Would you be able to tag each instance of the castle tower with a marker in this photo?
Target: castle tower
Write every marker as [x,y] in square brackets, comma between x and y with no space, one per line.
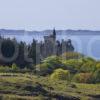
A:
[54,33]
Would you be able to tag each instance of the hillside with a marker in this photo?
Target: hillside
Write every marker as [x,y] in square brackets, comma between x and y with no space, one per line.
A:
[55,78]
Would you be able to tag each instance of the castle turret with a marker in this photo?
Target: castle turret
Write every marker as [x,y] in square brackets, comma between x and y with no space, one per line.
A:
[54,33]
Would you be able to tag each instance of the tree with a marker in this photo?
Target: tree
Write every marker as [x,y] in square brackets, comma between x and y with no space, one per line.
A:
[32,51]
[20,61]
[7,50]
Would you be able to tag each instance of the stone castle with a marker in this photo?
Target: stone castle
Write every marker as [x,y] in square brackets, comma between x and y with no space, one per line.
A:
[51,46]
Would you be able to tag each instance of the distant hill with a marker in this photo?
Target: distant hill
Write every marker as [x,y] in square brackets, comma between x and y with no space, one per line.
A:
[47,32]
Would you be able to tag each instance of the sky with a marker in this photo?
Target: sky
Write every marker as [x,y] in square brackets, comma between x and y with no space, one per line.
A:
[47,14]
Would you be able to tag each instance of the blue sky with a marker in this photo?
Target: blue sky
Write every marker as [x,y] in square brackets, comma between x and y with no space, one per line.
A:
[46,14]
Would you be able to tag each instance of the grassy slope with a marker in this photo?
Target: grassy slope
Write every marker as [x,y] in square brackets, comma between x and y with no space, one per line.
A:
[22,86]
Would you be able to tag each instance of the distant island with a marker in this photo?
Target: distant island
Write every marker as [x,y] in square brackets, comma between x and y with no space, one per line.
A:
[47,32]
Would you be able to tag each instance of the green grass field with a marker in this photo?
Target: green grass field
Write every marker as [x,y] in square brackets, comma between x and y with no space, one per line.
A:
[17,86]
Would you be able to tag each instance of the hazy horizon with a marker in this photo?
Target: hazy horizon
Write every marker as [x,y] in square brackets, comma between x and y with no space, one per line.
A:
[39,30]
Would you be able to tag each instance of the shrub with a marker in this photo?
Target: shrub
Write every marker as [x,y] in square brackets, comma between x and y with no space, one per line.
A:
[98,66]
[83,78]
[54,62]
[73,64]
[72,55]
[60,74]
[14,67]
[49,65]
[5,69]
[88,67]
[88,59]
[96,76]
[43,69]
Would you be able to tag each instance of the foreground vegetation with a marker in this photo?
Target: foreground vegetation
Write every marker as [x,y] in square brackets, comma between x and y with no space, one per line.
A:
[71,76]
[32,87]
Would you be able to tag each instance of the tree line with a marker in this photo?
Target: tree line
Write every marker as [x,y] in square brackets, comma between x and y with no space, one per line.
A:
[21,53]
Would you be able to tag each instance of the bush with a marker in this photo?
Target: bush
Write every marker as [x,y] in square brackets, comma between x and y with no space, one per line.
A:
[43,69]
[88,59]
[88,67]
[98,66]
[83,78]
[96,76]
[54,62]
[73,64]
[14,67]
[60,74]
[49,65]
[5,69]
[72,55]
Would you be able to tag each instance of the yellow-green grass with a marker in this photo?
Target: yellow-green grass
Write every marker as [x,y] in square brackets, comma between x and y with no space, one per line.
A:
[9,81]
